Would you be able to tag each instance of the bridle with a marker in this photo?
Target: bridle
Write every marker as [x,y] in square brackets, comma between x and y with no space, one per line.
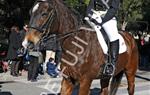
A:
[51,15]
[45,28]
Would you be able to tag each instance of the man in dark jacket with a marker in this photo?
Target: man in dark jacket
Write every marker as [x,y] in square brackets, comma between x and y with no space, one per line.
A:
[12,50]
[107,21]
[36,58]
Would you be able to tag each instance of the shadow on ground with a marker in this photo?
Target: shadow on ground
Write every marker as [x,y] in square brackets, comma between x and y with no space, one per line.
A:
[94,91]
[6,93]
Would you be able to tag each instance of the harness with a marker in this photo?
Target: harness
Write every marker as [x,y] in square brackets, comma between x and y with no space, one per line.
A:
[45,29]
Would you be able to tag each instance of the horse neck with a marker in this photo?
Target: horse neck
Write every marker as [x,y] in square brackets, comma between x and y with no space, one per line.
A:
[67,20]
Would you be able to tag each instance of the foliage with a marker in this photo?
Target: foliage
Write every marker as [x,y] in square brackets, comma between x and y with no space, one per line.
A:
[78,6]
[130,11]
[133,9]
[146,11]
[8,10]
[73,3]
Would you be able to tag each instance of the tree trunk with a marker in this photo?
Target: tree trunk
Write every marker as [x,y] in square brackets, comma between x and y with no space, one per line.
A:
[124,24]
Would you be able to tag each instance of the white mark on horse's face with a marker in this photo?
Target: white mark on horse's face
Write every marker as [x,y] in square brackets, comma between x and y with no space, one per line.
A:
[35,7]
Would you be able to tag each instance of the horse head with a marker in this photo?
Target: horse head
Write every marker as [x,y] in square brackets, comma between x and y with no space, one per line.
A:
[47,17]
[42,16]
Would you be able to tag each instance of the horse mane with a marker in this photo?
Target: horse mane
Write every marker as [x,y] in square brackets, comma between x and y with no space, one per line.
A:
[67,19]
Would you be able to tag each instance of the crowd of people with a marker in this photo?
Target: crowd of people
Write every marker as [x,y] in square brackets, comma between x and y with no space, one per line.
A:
[29,62]
[143,42]
[32,62]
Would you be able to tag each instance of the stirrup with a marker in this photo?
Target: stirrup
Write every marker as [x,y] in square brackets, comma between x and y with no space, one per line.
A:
[109,69]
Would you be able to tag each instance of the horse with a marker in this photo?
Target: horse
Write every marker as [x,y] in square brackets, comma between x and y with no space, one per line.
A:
[82,56]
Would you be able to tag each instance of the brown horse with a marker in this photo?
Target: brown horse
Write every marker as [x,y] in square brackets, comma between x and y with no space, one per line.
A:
[82,58]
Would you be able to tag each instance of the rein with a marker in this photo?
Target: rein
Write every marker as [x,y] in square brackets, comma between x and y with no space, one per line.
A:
[59,37]
[62,36]
[45,28]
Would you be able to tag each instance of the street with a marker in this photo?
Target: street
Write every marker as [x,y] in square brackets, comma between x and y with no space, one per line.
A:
[51,86]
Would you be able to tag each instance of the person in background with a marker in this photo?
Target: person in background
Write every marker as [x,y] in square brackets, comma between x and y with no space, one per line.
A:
[22,33]
[12,50]
[35,59]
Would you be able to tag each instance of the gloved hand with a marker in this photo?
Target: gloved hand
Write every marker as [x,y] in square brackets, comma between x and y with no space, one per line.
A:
[96,17]
[86,18]
[89,22]
[94,20]
[92,24]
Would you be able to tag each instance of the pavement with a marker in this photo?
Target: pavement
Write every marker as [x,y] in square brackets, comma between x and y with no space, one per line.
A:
[51,86]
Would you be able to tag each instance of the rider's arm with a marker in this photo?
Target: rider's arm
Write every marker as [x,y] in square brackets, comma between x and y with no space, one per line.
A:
[90,6]
[111,11]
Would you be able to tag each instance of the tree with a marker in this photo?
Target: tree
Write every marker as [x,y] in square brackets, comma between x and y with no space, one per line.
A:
[78,6]
[130,11]
[9,11]
[146,11]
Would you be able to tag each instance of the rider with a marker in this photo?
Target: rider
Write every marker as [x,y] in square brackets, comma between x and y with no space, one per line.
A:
[109,24]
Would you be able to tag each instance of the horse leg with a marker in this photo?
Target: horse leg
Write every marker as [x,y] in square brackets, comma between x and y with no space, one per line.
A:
[115,82]
[85,87]
[131,81]
[130,73]
[66,87]
[104,85]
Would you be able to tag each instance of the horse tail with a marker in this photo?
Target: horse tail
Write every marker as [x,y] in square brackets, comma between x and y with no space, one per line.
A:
[115,82]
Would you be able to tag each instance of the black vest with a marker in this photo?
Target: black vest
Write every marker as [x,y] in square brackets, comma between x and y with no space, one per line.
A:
[102,5]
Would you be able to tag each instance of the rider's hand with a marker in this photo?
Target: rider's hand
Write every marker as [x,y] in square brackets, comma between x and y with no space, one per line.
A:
[96,17]
[86,18]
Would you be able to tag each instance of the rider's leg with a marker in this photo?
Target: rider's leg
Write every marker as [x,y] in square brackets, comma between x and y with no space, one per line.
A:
[110,28]
[114,46]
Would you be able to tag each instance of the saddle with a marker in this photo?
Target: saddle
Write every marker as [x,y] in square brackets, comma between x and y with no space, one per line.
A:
[105,43]
[102,36]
